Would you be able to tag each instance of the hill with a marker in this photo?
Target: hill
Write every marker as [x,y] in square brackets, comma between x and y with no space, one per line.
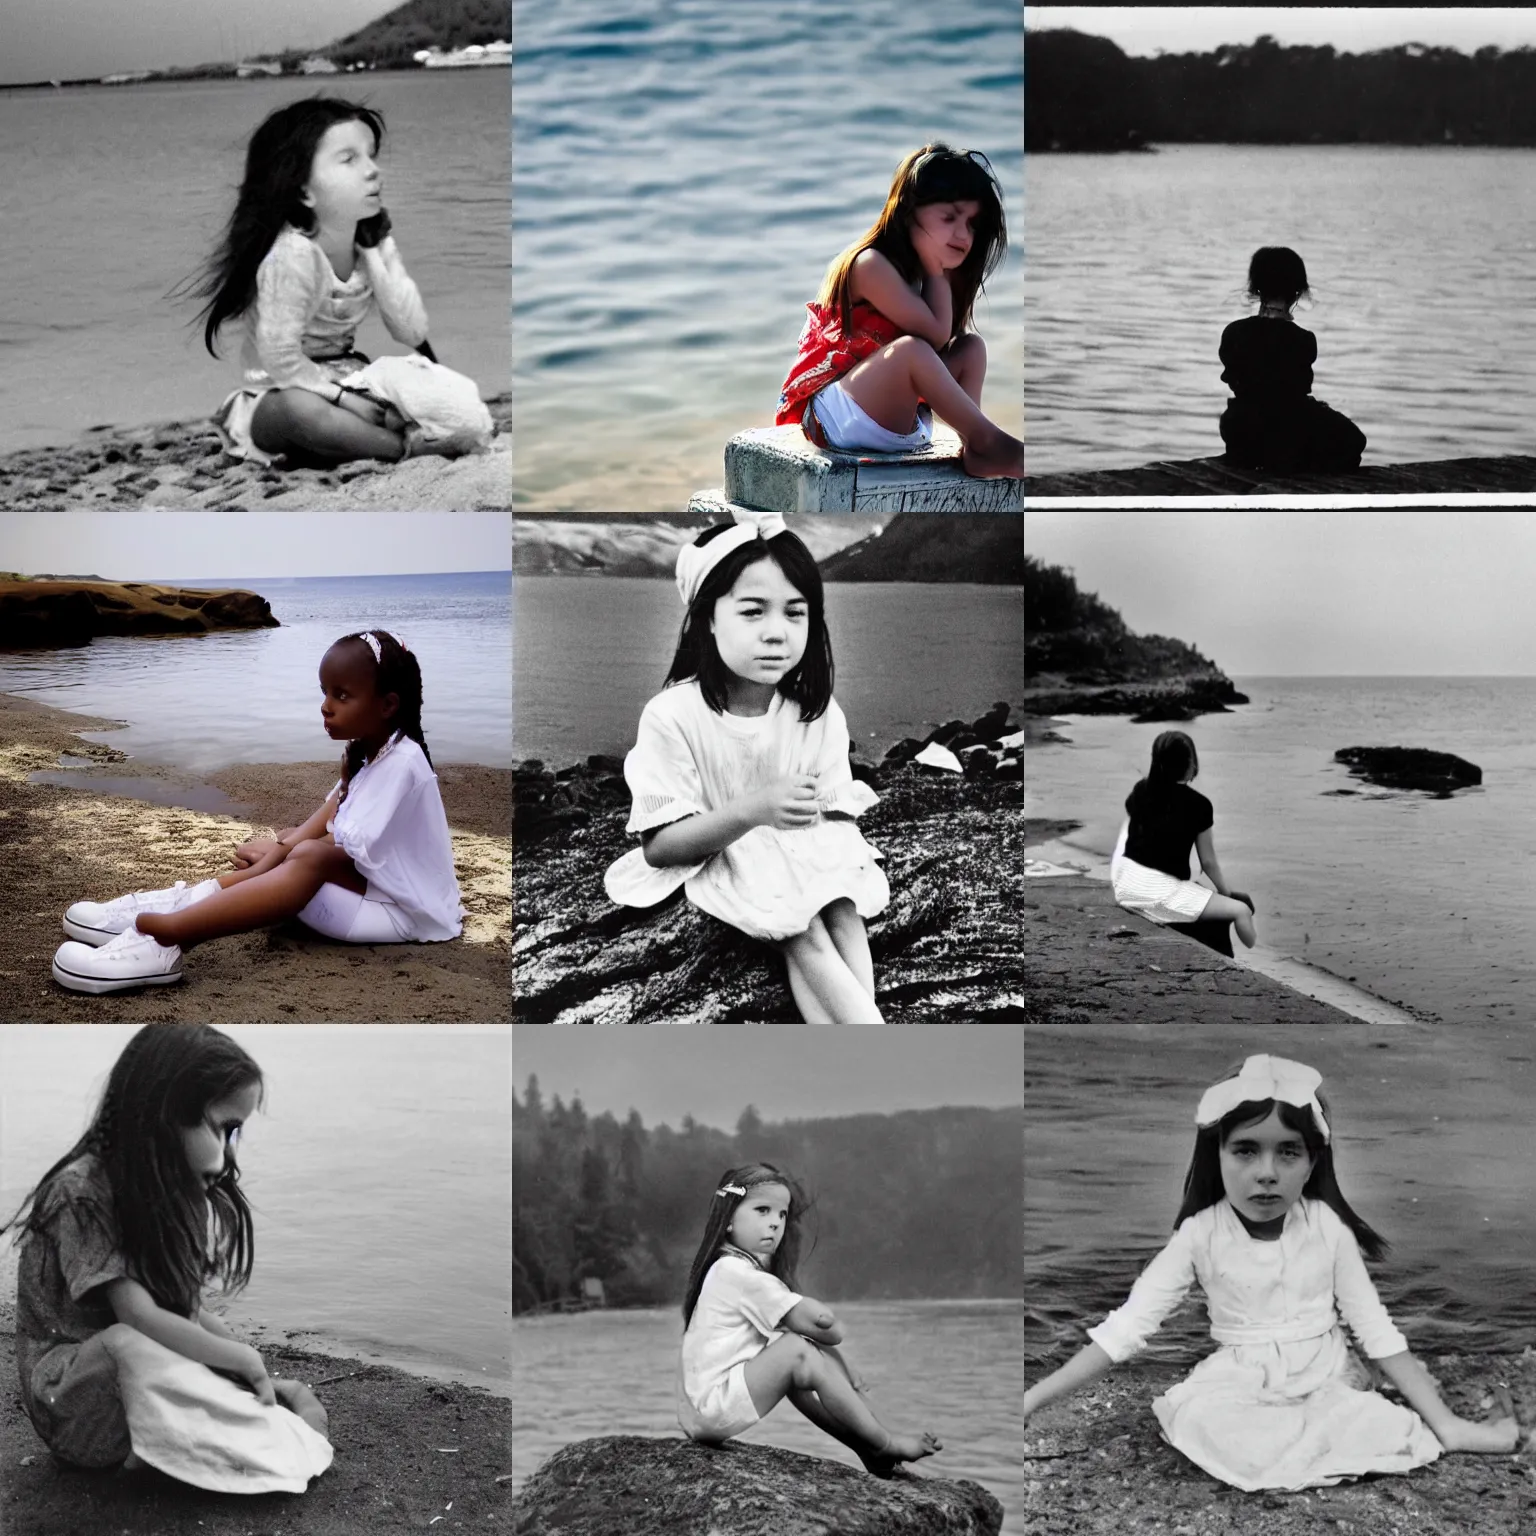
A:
[392,40]
[935,546]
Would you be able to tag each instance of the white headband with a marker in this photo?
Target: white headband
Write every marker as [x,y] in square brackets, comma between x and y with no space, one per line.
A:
[1264,1077]
[370,638]
[696,561]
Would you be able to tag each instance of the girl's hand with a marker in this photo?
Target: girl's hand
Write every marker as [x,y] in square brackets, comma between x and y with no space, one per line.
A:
[930,250]
[1492,1437]
[371,232]
[253,852]
[252,1369]
[787,803]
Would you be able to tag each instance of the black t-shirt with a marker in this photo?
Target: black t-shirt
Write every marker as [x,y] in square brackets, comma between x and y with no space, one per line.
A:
[1165,821]
[1268,360]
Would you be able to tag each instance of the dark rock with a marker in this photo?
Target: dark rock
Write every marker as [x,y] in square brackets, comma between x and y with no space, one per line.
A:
[69,613]
[1164,709]
[904,750]
[935,546]
[994,723]
[600,762]
[654,1487]
[1437,773]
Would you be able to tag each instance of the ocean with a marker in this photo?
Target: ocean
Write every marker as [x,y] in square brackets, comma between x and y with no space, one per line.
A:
[205,702]
[1430,349]
[591,651]
[113,194]
[682,176]
[379,1173]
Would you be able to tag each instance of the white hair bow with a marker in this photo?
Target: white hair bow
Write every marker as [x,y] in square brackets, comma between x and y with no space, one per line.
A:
[696,561]
[1264,1077]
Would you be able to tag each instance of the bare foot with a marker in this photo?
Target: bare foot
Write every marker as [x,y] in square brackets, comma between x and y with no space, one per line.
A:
[1495,1437]
[994,457]
[297,1398]
[912,1447]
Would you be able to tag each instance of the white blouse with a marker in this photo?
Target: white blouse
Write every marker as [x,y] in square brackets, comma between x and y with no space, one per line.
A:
[737,1314]
[393,827]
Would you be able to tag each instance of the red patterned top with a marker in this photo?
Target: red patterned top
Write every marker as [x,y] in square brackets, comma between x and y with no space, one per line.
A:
[827,352]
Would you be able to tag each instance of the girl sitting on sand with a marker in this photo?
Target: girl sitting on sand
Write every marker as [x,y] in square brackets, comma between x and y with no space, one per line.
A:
[890,328]
[1272,421]
[1267,1233]
[1150,866]
[742,790]
[306,257]
[751,1341]
[119,1361]
[374,865]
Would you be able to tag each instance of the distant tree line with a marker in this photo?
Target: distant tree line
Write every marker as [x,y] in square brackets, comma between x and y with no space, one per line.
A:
[924,1203]
[1084,93]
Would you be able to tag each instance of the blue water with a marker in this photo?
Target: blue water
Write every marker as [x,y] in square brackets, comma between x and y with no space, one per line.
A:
[111,195]
[682,176]
[252,696]
[379,1173]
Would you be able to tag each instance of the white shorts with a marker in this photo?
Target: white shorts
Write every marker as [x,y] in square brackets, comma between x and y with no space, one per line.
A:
[353,918]
[1159,897]
[725,1410]
[851,428]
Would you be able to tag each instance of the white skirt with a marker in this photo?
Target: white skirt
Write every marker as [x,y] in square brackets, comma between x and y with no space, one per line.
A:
[1154,895]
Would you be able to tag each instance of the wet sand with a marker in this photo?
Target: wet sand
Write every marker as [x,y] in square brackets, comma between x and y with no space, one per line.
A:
[67,844]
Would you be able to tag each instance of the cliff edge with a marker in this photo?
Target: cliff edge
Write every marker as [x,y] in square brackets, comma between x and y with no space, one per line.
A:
[70,613]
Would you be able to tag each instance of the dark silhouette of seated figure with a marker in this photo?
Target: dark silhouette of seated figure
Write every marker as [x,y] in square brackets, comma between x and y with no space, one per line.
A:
[1272,422]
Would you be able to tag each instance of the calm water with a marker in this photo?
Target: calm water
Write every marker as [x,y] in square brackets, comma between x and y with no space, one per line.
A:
[1424,902]
[251,696]
[955,1367]
[591,651]
[683,176]
[112,195]
[379,1173]
[1423,289]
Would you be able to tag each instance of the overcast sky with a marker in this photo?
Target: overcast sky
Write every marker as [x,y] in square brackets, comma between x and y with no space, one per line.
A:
[80,39]
[193,546]
[788,1073]
[1146,30]
[1276,594]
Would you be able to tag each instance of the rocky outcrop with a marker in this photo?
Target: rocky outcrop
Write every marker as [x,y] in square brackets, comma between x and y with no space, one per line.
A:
[71,613]
[656,1487]
[1439,774]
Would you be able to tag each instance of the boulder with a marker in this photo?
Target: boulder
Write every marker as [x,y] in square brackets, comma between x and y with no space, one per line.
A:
[48,613]
[658,1487]
[1439,774]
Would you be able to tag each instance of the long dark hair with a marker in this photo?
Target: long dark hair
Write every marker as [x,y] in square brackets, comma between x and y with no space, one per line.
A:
[1277,272]
[933,174]
[809,683]
[398,672]
[786,1257]
[1173,757]
[1202,1181]
[176,1232]
[277,167]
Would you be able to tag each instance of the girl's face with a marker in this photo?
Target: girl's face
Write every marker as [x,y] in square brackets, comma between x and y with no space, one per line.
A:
[757,1227]
[209,1141]
[350,709]
[1264,1166]
[761,625]
[952,226]
[344,185]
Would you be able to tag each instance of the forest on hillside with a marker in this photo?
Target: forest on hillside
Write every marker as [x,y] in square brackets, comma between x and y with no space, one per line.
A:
[918,1204]
[392,40]
[1084,93]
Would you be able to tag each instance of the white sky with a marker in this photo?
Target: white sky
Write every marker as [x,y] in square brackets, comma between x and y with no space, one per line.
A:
[192,546]
[77,39]
[789,1073]
[1361,593]
[1147,30]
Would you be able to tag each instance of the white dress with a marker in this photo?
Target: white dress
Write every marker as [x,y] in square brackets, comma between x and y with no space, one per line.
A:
[768,883]
[1280,1404]
[393,827]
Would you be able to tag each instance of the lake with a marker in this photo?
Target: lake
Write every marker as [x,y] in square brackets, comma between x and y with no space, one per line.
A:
[1423,290]
[683,175]
[114,194]
[379,1174]
[203,702]
[954,1367]
[591,650]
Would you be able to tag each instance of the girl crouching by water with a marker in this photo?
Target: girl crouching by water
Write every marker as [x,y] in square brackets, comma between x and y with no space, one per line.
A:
[373,865]
[751,1340]
[1266,1233]
[119,1361]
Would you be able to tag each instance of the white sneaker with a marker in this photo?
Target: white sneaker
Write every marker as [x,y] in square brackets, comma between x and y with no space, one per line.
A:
[94,922]
[128,959]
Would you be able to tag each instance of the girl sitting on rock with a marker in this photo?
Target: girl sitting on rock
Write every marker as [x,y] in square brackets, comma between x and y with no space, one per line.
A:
[750,1340]
[1268,1236]
[120,1363]
[1150,866]
[373,865]
[742,791]
[890,329]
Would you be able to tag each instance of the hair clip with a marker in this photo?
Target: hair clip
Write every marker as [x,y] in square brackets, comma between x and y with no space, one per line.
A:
[730,1189]
[371,640]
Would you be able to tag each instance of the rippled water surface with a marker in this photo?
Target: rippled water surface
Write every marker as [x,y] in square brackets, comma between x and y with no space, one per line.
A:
[1423,285]
[954,1367]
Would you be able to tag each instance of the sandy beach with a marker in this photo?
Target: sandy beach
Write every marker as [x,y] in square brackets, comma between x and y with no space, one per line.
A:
[67,844]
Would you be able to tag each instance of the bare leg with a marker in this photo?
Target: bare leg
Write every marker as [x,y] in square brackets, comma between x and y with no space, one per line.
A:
[827,977]
[846,929]
[806,1000]
[966,359]
[889,383]
[1224,909]
[288,419]
[296,1397]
